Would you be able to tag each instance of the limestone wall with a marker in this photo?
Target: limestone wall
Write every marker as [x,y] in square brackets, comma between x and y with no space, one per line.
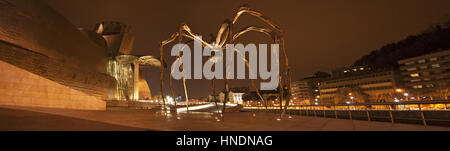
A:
[65,73]
[46,61]
[19,87]
[37,39]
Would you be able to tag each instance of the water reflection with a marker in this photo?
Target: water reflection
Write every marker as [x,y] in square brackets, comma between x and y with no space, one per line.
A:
[204,112]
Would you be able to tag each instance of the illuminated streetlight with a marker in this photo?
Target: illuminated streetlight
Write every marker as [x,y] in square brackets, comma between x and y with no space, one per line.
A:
[406,95]
[351,98]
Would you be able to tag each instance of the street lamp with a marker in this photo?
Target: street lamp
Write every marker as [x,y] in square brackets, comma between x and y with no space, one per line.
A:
[407,96]
[351,98]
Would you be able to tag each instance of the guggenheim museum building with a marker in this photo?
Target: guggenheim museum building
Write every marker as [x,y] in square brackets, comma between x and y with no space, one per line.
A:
[45,61]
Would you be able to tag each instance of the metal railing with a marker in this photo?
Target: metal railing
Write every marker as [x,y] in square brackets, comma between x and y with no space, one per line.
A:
[424,113]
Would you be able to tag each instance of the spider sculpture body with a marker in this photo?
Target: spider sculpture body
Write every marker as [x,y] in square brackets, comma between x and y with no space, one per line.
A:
[225,35]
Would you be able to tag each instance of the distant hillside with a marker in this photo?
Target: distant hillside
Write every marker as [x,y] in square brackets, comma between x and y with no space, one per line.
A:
[435,39]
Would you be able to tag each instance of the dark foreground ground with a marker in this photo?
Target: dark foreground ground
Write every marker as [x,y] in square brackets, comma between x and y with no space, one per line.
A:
[24,118]
[12,119]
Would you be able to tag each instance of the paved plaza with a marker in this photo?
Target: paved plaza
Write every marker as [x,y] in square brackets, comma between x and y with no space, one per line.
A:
[26,118]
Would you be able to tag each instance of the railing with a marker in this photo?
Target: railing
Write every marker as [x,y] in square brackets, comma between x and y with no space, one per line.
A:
[154,102]
[425,113]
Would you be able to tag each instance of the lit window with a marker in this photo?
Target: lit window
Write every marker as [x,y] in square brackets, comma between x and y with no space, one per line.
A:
[409,63]
[414,75]
[417,86]
[415,80]
[412,69]
[435,66]
[361,68]
[355,69]
[430,85]
[423,67]
[433,59]
[421,61]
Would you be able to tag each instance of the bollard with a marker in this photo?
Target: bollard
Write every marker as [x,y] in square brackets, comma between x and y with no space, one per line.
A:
[335,112]
[368,115]
[423,116]
[390,113]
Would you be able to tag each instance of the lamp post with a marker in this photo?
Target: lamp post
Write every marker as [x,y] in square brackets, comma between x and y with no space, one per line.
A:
[406,95]
[351,98]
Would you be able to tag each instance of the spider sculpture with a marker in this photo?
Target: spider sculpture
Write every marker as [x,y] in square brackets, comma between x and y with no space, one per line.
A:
[226,36]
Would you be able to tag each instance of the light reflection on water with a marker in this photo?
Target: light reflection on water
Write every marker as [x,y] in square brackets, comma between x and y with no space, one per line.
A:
[194,114]
[205,111]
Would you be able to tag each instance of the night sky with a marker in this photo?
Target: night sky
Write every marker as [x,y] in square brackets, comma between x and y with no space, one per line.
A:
[320,34]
